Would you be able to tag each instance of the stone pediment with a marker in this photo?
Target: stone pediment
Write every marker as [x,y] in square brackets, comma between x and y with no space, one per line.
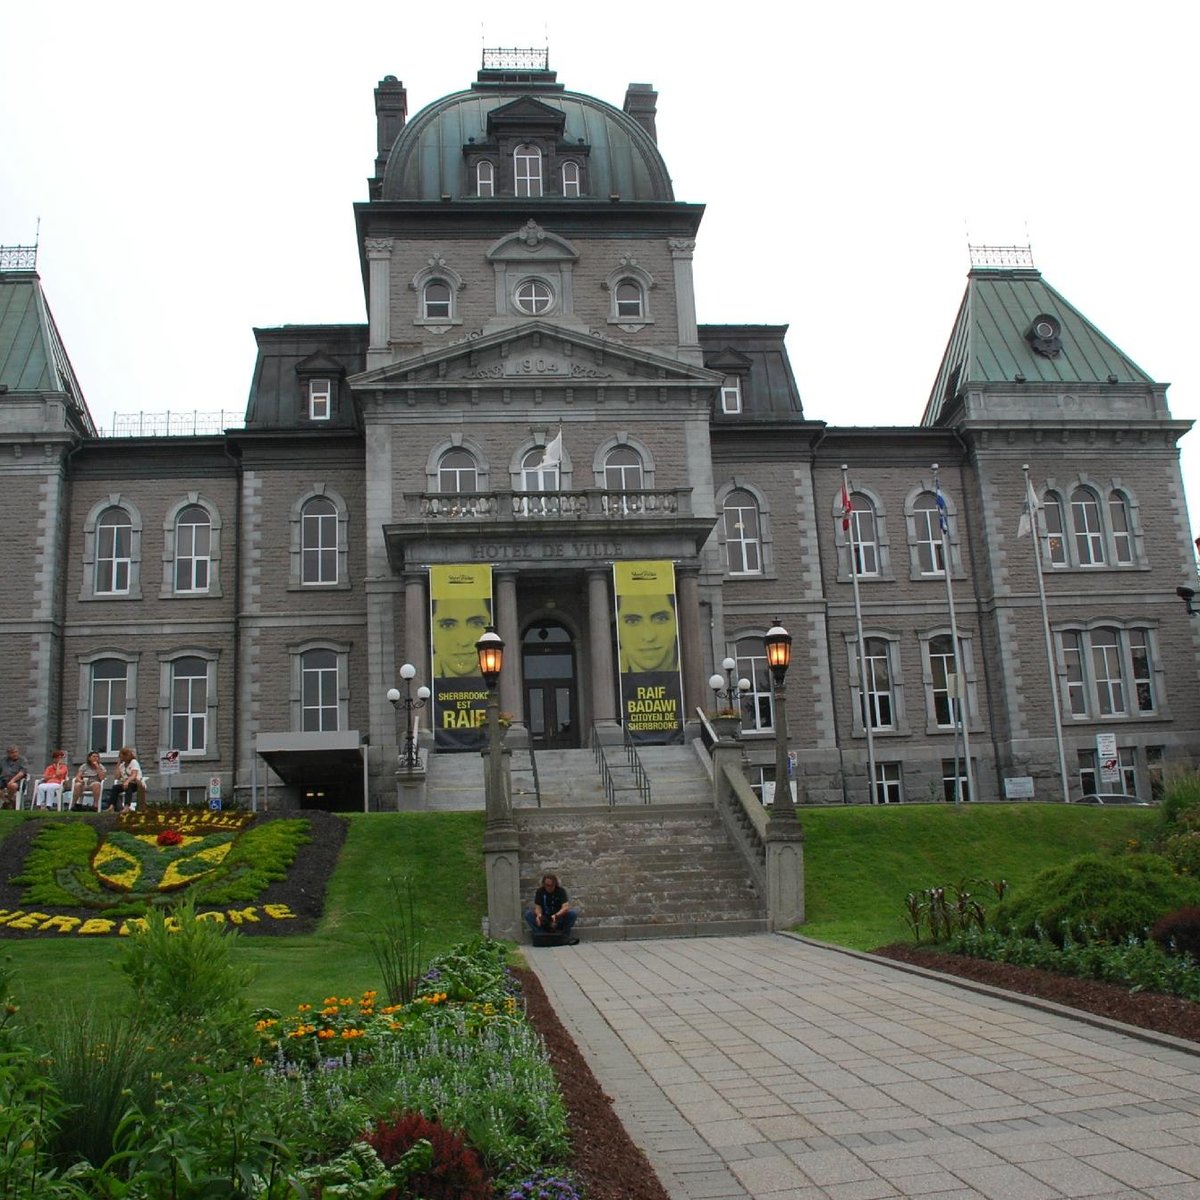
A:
[536,355]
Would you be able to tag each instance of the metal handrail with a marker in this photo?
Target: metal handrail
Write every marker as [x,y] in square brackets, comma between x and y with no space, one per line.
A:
[602,765]
[639,772]
[537,785]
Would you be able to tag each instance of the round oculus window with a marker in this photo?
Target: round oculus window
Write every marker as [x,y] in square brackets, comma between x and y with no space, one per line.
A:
[533,297]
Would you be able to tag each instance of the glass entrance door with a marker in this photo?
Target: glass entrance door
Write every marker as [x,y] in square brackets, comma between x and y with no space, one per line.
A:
[548,662]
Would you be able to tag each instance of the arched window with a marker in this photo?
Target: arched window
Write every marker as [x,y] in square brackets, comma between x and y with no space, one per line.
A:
[928,534]
[570,179]
[623,470]
[743,544]
[1056,542]
[189,705]
[631,304]
[437,300]
[193,537]
[1110,672]
[1089,534]
[108,705]
[758,711]
[941,668]
[458,472]
[1118,515]
[485,178]
[319,542]
[877,694]
[527,171]
[319,691]
[536,475]
[114,546]
[533,297]
[863,536]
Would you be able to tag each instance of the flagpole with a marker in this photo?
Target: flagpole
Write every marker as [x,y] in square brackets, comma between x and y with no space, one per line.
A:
[1035,537]
[964,711]
[862,650]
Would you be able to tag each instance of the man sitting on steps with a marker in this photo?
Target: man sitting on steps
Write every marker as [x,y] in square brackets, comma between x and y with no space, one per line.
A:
[551,916]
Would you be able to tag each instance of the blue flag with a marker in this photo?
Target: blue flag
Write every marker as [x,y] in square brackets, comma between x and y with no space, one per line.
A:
[941,505]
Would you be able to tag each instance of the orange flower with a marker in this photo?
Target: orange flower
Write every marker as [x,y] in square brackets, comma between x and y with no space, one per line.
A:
[347,1034]
[326,1034]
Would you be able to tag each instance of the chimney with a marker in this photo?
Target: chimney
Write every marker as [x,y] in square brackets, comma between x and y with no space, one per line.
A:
[641,103]
[391,108]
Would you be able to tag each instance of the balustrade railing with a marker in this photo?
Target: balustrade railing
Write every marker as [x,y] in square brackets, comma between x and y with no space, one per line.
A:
[590,502]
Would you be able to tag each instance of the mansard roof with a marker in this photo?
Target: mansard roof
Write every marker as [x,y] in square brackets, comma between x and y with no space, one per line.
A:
[33,359]
[288,355]
[426,160]
[756,354]
[994,341]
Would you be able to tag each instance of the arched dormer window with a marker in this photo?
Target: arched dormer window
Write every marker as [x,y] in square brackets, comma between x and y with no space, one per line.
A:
[436,300]
[485,178]
[527,170]
[570,179]
[629,286]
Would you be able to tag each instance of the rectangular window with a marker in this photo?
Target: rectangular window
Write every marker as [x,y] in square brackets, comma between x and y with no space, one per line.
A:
[1122,540]
[1089,777]
[319,692]
[731,395]
[1143,684]
[109,702]
[888,783]
[1106,665]
[193,540]
[866,545]
[878,693]
[189,705]
[114,542]
[757,710]
[954,780]
[1156,770]
[1127,761]
[1072,651]
[941,673]
[1056,543]
[320,399]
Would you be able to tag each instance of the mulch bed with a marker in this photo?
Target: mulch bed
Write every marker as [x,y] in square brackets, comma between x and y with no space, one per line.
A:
[604,1156]
[303,890]
[1147,1010]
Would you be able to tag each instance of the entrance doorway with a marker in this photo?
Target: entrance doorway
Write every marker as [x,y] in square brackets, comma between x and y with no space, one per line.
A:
[548,664]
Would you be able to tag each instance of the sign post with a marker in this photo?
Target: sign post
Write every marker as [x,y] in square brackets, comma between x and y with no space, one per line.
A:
[168,765]
[214,793]
[1106,752]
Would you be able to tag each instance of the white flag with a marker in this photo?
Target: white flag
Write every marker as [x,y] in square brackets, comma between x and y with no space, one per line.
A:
[552,455]
[1032,505]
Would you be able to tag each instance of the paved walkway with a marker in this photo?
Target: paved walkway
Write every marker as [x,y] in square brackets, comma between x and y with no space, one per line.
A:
[771,1067]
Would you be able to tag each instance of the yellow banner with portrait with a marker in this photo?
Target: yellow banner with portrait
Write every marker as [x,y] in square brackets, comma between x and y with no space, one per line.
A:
[648,648]
[460,609]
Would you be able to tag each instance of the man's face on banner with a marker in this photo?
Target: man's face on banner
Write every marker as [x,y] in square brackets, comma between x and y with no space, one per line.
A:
[647,633]
[457,625]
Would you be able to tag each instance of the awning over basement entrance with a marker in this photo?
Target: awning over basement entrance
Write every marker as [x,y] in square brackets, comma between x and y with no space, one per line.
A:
[334,763]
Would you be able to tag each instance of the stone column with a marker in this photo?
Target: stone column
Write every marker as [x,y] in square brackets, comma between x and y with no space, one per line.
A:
[379,305]
[695,693]
[508,626]
[682,250]
[416,625]
[600,608]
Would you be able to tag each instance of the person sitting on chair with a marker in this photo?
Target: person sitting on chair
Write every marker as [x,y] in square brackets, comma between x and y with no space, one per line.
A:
[48,792]
[124,792]
[551,912]
[89,778]
[13,772]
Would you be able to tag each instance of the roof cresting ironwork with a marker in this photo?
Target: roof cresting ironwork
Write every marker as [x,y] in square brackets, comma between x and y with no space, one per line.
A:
[1001,256]
[18,258]
[514,59]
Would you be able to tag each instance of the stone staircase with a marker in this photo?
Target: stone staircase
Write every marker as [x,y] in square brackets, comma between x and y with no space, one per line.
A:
[644,871]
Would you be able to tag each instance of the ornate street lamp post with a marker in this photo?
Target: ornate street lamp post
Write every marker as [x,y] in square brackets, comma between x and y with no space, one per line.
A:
[729,695]
[490,649]
[779,656]
[410,758]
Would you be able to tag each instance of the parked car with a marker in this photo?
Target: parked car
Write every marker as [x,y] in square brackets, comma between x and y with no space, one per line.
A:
[1112,798]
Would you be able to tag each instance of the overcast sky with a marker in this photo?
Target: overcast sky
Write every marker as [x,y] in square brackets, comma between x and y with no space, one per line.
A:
[194,170]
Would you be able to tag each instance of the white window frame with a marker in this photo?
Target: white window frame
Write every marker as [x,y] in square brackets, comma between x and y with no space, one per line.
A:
[1091,526]
[1110,681]
[864,527]
[731,395]
[341,656]
[115,719]
[948,779]
[451,478]
[1087,527]
[758,704]
[192,562]
[942,662]
[876,651]
[297,581]
[743,550]
[630,308]
[533,297]
[114,560]
[927,536]
[200,709]
[320,399]
[628,476]
[889,783]
[571,179]
[319,542]
[485,178]
[94,542]
[527,171]
[896,691]
[1121,526]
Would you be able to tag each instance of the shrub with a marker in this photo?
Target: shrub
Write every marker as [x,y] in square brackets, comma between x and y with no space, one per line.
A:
[1179,932]
[1182,851]
[455,1172]
[397,945]
[1181,801]
[1109,898]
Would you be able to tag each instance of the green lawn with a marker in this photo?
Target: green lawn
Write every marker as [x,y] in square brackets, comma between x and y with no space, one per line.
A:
[860,864]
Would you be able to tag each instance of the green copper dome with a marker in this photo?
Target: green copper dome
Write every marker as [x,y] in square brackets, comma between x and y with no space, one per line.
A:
[429,159]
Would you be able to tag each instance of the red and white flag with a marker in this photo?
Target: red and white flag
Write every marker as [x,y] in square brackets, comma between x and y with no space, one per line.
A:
[847,508]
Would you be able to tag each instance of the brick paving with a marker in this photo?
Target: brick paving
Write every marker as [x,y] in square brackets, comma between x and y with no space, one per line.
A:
[767,1066]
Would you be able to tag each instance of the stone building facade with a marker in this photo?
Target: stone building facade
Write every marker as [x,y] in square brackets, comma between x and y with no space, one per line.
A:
[248,597]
